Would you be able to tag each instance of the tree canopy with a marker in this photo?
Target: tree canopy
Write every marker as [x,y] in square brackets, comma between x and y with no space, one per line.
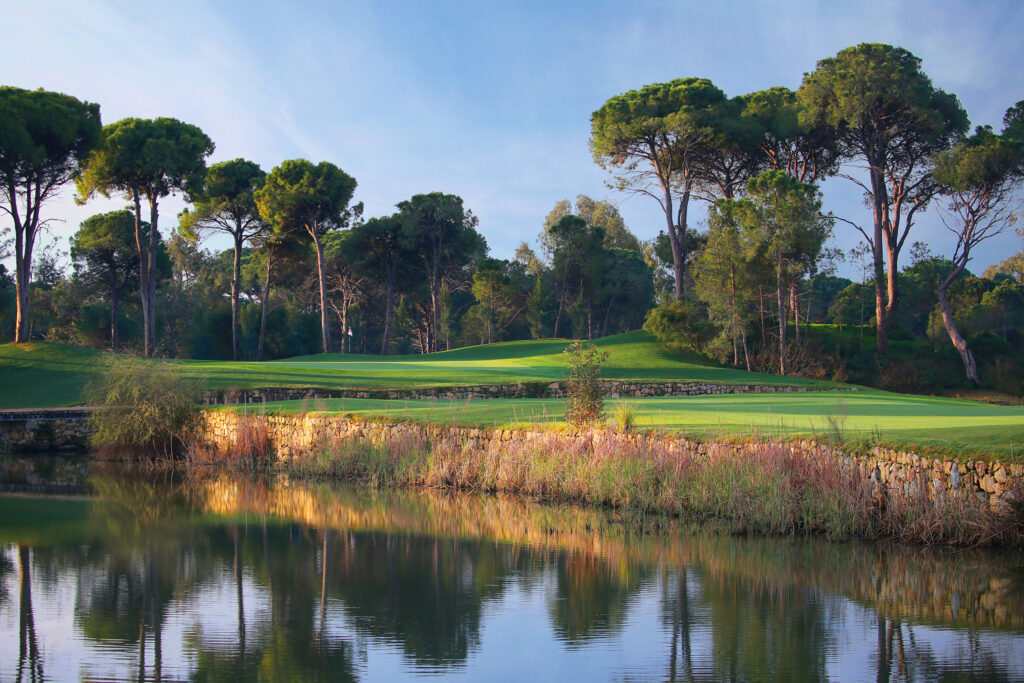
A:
[227,203]
[146,159]
[655,141]
[103,251]
[300,196]
[886,113]
[44,137]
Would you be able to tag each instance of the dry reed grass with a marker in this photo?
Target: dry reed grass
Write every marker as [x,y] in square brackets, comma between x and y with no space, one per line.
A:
[251,449]
[762,487]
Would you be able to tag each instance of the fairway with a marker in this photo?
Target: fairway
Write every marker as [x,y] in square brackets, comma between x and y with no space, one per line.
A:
[939,424]
[41,375]
[44,375]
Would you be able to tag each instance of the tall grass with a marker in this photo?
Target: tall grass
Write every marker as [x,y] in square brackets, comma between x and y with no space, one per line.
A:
[251,448]
[759,487]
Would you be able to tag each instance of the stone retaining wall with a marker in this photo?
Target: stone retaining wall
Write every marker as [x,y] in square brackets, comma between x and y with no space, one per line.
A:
[894,472]
[611,388]
[39,431]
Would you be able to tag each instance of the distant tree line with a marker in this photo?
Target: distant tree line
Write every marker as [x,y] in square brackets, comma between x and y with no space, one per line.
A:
[307,272]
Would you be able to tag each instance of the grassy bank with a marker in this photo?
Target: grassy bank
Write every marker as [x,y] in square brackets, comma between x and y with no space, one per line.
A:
[924,424]
[754,487]
[39,374]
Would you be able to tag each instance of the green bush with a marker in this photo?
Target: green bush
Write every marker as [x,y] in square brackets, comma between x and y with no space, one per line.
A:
[584,399]
[146,407]
[678,326]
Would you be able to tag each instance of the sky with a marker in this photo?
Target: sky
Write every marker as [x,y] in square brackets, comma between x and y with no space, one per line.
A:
[488,100]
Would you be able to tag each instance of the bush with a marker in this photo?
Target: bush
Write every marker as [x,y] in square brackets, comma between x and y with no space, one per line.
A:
[679,327]
[147,407]
[584,399]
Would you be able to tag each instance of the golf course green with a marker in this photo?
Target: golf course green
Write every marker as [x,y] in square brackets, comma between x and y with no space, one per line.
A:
[39,375]
[945,425]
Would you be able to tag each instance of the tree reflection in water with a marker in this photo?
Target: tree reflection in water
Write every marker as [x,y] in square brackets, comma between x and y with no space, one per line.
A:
[252,580]
[28,645]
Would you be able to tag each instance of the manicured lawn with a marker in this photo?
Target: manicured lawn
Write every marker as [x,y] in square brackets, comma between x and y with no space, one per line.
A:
[930,424]
[41,374]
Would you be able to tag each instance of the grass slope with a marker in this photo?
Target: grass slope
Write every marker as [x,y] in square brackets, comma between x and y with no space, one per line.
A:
[41,374]
[928,424]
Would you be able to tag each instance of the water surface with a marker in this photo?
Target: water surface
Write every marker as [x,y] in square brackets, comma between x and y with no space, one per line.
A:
[218,577]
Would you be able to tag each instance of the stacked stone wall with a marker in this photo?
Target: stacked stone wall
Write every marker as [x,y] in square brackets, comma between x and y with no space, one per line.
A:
[893,472]
[44,432]
[611,388]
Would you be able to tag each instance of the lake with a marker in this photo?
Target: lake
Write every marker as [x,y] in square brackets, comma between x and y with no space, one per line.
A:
[107,574]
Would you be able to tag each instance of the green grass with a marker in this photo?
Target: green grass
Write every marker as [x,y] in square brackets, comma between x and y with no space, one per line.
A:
[928,424]
[41,374]
[44,375]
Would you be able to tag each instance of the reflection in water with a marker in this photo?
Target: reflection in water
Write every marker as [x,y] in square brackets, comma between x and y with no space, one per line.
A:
[231,579]
[28,646]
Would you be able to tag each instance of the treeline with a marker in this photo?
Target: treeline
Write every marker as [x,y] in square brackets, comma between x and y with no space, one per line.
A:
[869,115]
[416,281]
[307,272]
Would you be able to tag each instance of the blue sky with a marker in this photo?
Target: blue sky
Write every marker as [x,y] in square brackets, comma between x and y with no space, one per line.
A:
[487,100]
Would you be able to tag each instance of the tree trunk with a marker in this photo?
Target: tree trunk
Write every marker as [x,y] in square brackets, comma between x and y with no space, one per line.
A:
[115,338]
[343,316]
[673,239]
[782,320]
[793,304]
[678,241]
[263,307]
[880,210]
[760,311]
[892,292]
[389,305]
[236,278]
[154,240]
[22,278]
[970,367]
[607,314]
[746,351]
[144,252]
[322,271]
[735,316]
[24,241]
[561,307]
[435,297]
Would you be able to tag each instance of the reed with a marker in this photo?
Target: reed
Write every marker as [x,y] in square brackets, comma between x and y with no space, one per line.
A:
[756,487]
[250,450]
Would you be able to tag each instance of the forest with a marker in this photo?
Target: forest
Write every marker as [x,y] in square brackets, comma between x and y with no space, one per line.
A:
[753,286]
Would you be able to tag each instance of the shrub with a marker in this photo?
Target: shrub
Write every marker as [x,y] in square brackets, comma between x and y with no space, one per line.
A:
[584,399]
[679,327]
[146,407]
